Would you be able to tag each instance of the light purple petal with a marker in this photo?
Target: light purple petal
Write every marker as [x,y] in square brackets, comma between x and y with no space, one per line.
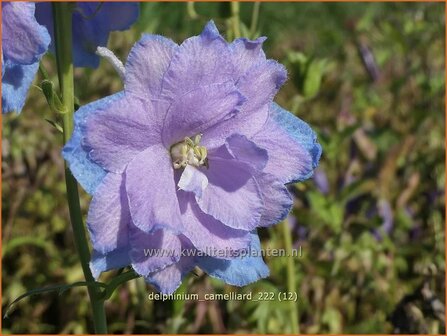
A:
[208,234]
[118,132]
[113,260]
[199,109]
[277,199]
[24,41]
[240,271]
[87,173]
[108,216]
[151,252]
[170,278]
[259,85]
[151,191]
[299,130]
[146,65]
[193,180]
[245,150]
[199,61]
[232,195]
[291,146]
[241,123]
[245,53]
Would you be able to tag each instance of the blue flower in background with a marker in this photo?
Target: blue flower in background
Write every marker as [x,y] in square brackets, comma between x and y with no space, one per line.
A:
[24,41]
[193,155]
[26,32]
[92,24]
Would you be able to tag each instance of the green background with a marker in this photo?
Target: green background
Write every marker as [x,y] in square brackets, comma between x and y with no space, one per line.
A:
[370,224]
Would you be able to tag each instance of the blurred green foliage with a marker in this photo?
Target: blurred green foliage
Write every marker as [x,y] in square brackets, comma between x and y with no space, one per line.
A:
[369,78]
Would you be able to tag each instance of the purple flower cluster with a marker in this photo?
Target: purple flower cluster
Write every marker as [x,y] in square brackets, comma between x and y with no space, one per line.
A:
[27,33]
[192,155]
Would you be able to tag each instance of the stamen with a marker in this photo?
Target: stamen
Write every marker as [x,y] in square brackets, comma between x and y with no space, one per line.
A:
[188,152]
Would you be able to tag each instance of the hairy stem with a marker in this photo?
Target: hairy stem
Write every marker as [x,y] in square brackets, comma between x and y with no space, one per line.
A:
[62,15]
[291,279]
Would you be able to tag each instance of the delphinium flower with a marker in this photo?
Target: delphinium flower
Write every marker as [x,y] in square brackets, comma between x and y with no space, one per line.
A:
[27,34]
[24,41]
[92,24]
[191,158]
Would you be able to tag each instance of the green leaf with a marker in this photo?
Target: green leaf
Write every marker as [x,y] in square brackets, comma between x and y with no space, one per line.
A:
[56,288]
[55,125]
[297,58]
[314,74]
[53,99]
[332,318]
[327,209]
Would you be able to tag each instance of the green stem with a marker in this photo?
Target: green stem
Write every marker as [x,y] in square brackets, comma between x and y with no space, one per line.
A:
[118,280]
[235,19]
[62,15]
[291,280]
[43,71]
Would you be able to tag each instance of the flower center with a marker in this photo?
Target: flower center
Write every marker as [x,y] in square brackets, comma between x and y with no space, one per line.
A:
[188,152]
